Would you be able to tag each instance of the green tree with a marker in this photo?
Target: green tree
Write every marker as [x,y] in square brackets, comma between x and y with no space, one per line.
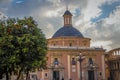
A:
[22,46]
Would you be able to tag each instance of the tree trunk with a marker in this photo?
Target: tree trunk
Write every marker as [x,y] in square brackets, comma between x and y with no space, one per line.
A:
[19,74]
[27,76]
[7,75]
[6,72]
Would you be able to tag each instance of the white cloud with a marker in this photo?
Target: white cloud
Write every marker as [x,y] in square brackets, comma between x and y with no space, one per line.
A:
[3,16]
[55,2]
[53,13]
[103,44]
[107,31]
[92,10]
[49,30]
[114,17]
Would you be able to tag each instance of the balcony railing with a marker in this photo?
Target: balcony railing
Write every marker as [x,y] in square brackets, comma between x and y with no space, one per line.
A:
[74,48]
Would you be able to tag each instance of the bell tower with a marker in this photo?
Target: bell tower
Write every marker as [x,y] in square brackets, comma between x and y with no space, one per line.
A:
[67,18]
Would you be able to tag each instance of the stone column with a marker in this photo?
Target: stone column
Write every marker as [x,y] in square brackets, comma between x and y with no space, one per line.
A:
[103,66]
[42,74]
[68,57]
[78,70]
[51,74]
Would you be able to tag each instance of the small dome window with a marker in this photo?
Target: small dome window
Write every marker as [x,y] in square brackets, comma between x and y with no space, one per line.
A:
[70,44]
[54,44]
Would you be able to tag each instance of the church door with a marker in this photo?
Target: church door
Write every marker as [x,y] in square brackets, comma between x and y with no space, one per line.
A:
[91,75]
[56,75]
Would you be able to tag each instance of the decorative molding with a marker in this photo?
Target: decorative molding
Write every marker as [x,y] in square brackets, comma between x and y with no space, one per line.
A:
[56,54]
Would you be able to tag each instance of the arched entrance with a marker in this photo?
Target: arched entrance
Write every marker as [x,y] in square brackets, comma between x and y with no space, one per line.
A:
[56,71]
[91,71]
[91,75]
[56,75]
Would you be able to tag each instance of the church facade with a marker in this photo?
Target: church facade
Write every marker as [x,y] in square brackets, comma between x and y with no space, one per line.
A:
[70,57]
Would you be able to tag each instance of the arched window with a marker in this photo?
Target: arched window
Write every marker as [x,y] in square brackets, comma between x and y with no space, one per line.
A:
[73,61]
[90,61]
[46,75]
[56,62]
[54,44]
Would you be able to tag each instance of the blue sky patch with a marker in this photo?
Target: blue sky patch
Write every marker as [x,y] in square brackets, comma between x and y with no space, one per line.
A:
[77,12]
[106,10]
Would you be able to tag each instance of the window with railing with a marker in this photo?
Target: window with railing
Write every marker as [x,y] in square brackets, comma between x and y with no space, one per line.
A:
[56,62]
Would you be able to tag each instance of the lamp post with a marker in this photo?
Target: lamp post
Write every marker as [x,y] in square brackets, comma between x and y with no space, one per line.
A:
[80,59]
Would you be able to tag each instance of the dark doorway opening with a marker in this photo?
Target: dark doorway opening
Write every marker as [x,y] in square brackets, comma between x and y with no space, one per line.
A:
[56,75]
[91,75]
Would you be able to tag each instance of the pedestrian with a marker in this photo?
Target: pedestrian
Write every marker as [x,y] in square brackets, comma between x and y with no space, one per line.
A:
[70,79]
[62,78]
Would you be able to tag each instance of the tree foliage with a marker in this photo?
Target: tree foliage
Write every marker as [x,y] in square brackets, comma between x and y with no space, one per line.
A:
[22,46]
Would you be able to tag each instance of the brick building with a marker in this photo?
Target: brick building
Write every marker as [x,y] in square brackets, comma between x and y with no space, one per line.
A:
[71,57]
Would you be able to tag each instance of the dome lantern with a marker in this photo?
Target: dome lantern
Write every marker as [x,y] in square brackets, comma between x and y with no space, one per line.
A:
[67,18]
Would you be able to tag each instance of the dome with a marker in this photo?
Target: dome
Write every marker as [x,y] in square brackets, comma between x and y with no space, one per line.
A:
[67,31]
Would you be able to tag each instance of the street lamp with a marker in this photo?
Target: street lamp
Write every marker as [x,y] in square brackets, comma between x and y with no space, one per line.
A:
[80,59]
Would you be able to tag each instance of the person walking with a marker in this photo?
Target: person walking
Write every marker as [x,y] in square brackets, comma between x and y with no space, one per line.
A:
[62,79]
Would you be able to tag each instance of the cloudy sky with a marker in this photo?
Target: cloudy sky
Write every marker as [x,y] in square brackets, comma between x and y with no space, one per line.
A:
[95,19]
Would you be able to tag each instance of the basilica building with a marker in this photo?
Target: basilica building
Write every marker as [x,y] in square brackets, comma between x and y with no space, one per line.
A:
[70,56]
